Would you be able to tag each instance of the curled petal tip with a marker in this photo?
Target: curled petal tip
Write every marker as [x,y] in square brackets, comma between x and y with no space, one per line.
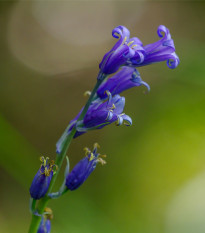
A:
[146,85]
[120,31]
[127,120]
[162,31]
[173,61]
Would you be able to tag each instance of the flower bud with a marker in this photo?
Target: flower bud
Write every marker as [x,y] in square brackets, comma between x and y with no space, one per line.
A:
[45,225]
[42,179]
[84,168]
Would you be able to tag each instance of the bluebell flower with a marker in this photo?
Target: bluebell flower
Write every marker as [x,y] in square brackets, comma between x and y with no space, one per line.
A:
[84,168]
[45,226]
[162,50]
[120,53]
[131,52]
[42,179]
[100,113]
[125,78]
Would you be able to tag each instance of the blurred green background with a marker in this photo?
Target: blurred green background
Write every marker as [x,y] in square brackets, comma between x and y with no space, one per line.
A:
[154,180]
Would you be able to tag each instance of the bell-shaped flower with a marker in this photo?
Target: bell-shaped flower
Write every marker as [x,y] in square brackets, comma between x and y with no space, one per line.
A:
[123,50]
[84,168]
[131,52]
[125,78]
[162,50]
[42,179]
[99,114]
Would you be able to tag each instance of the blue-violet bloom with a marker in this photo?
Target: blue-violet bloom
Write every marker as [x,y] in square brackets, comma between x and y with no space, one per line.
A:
[42,179]
[45,226]
[84,168]
[125,78]
[162,50]
[131,52]
[120,53]
[99,114]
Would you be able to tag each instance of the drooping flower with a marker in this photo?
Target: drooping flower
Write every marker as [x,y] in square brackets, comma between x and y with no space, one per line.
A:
[162,50]
[120,53]
[99,114]
[131,52]
[42,179]
[124,79]
[84,168]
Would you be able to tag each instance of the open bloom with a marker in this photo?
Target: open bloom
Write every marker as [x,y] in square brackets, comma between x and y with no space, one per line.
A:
[124,79]
[84,168]
[99,114]
[162,50]
[42,179]
[120,53]
[131,52]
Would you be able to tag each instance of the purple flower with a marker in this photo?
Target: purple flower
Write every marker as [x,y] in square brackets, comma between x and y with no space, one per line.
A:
[123,50]
[124,79]
[84,168]
[45,226]
[162,50]
[42,179]
[99,114]
[131,52]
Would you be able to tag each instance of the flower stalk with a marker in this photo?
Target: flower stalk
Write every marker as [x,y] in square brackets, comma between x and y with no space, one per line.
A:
[117,73]
[36,220]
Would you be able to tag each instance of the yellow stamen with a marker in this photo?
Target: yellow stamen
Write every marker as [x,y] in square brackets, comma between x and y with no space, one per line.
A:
[112,108]
[96,145]
[133,46]
[87,93]
[124,40]
[87,151]
[91,157]
[47,171]
[130,42]
[100,160]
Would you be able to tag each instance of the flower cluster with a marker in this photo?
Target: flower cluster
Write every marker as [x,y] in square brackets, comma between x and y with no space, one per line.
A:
[105,106]
[127,54]
[131,52]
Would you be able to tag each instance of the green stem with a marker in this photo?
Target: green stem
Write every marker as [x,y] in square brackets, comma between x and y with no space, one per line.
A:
[35,222]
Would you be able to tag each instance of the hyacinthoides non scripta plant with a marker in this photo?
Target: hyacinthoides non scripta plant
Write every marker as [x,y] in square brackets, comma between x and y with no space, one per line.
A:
[105,105]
